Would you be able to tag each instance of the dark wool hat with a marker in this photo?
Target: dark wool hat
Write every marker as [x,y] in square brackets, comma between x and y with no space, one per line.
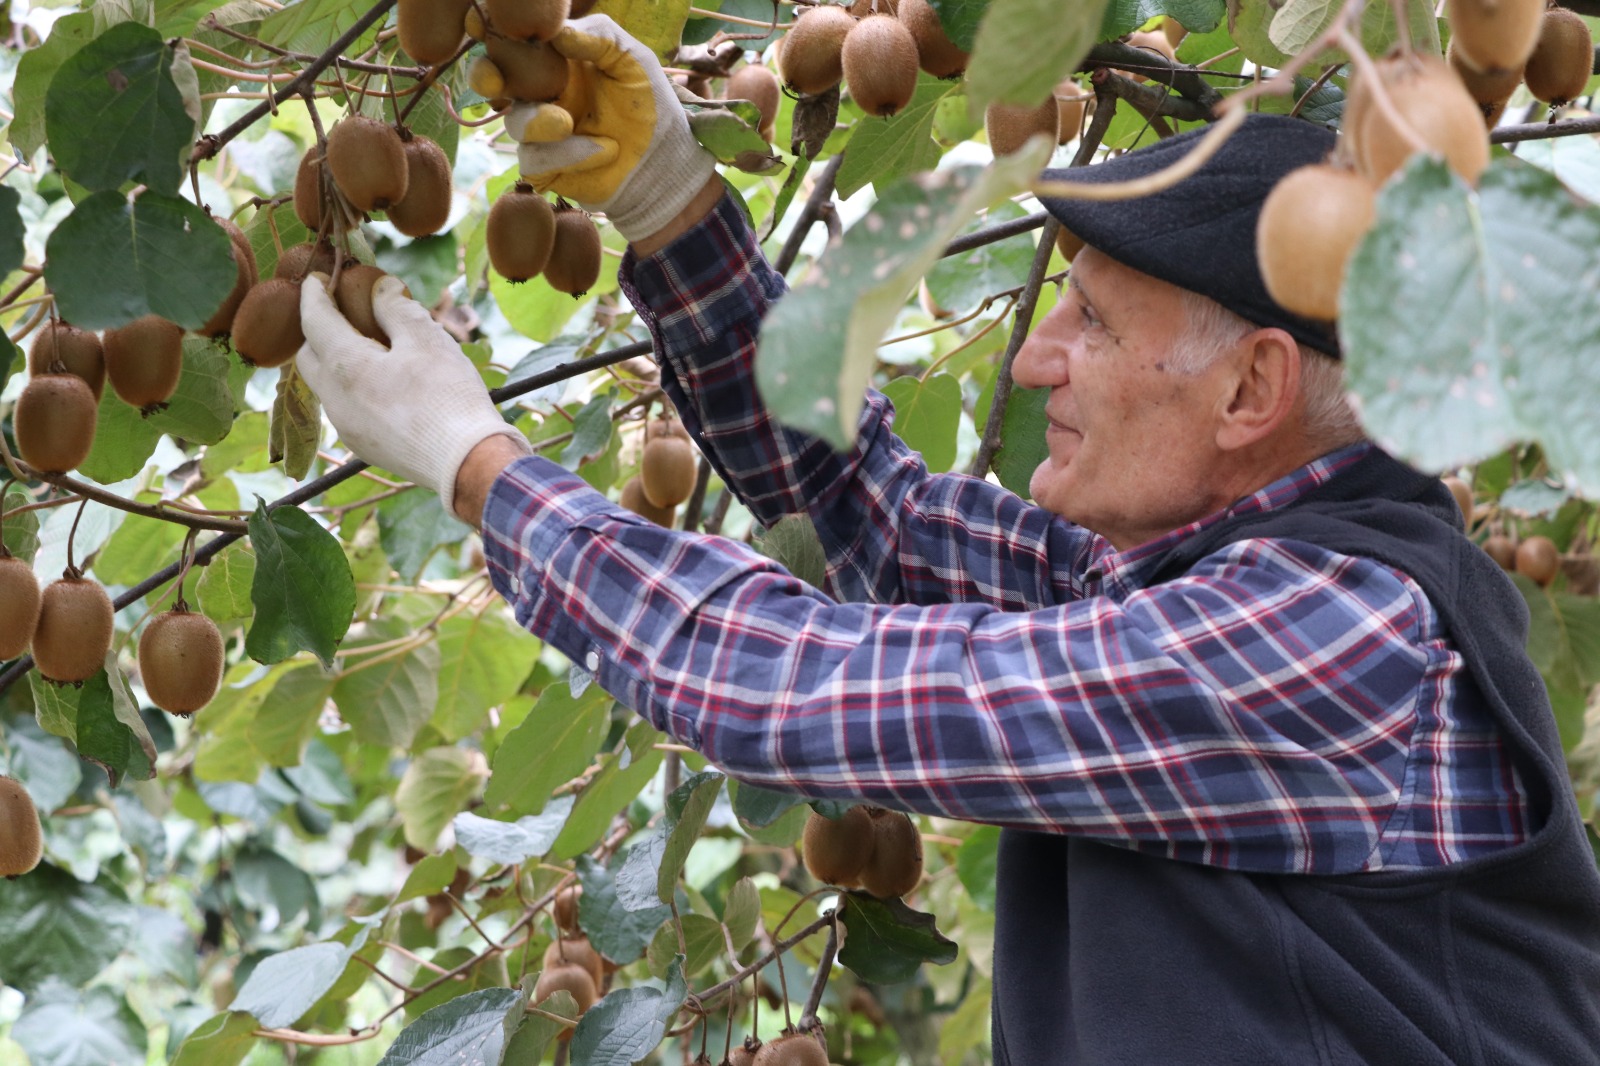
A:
[1200,234]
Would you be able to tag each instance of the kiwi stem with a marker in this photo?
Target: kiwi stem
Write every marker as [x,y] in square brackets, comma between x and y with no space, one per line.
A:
[72,571]
[1322,79]
[808,1016]
[421,88]
[1021,324]
[5,487]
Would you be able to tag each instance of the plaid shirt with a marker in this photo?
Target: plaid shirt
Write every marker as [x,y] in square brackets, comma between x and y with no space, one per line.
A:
[1280,708]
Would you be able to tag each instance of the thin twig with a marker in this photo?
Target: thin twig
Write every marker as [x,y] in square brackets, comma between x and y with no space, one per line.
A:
[1026,304]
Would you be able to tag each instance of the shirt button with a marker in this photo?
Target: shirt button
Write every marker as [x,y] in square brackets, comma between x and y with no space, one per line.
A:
[592,661]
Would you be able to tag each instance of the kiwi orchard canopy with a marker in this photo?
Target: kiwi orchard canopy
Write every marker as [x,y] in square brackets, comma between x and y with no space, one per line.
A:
[1200,234]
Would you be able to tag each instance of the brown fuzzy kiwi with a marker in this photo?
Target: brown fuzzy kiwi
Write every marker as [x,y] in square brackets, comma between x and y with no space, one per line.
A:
[880,65]
[568,977]
[520,233]
[1174,31]
[21,839]
[895,866]
[757,84]
[1463,495]
[180,660]
[425,208]
[565,908]
[1156,43]
[1494,36]
[74,631]
[298,260]
[796,1049]
[811,60]
[1502,550]
[1485,88]
[1538,559]
[634,499]
[1010,128]
[266,331]
[1558,68]
[368,162]
[60,348]
[576,951]
[532,69]
[936,53]
[538,19]
[486,79]
[144,360]
[575,253]
[667,470]
[431,30]
[308,190]
[1069,244]
[836,850]
[19,606]
[862,8]
[54,422]
[1435,106]
[1073,103]
[1309,226]
[245,275]
[353,295]
[744,1054]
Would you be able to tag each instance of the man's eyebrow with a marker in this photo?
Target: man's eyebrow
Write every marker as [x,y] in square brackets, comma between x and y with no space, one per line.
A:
[1074,282]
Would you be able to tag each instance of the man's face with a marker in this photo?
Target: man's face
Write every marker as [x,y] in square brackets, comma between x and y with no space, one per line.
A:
[1132,442]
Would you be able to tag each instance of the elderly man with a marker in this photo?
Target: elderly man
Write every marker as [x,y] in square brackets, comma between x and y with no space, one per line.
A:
[1278,783]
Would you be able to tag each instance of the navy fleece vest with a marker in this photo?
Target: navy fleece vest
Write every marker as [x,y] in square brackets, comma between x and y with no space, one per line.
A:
[1103,955]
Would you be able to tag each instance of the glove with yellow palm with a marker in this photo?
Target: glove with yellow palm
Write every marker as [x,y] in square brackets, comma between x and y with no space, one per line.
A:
[630,153]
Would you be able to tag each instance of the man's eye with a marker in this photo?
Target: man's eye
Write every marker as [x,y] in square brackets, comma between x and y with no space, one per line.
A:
[1089,317]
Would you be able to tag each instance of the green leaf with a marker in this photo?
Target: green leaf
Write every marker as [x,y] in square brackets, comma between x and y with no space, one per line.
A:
[388,702]
[50,772]
[284,986]
[1458,332]
[702,936]
[265,879]
[411,526]
[123,442]
[761,807]
[528,1046]
[53,925]
[201,410]
[483,658]
[742,912]
[730,134]
[112,261]
[959,282]
[21,530]
[882,150]
[1299,22]
[591,432]
[1022,436]
[114,114]
[618,780]
[12,251]
[819,344]
[977,862]
[287,720]
[433,790]
[617,933]
[429,877]
[36,69]
[886,941]
[303,591]
[927,415]
[137,549]
[470,1030]
[658,24]
[221,1040]
[296,425]
[62,1026]
[966,1029]
[554,744]
[685,815]
[960,19]
[533,308]
[1197,16]
[628,1023]
[89,715]
[793,544]
[513,842]
[640,871]
[224,588]
[1014,62]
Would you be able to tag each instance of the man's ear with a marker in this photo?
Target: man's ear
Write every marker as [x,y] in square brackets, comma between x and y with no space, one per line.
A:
[1264,386]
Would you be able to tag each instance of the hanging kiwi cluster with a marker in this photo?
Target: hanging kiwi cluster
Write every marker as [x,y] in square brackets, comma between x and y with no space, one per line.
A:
[526,237]
[668,467]
[1497,45]
[571,964]
[871,848]
[518,62]
[874,53]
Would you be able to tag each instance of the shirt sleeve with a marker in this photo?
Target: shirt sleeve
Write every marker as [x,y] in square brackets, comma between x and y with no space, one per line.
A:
[892,532]
[1256,714]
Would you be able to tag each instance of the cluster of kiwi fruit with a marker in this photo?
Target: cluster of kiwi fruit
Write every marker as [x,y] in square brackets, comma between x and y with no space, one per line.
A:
[21,838]
[790,1049]
[871,848]
[1535,557]
[571,964]
[527,238]
[874,47]
[518,62]
[1497,45]
[668,467]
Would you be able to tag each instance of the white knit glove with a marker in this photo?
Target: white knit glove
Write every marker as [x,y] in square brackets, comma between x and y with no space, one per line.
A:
[630,153]
[417,407]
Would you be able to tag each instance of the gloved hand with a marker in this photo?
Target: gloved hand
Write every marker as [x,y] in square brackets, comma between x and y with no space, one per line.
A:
[630,153]
[417,407]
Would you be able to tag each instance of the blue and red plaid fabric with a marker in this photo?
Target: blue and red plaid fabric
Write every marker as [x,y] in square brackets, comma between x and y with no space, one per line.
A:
[1280,708]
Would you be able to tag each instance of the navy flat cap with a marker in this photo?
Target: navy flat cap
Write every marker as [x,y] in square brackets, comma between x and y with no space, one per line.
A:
[1200,234]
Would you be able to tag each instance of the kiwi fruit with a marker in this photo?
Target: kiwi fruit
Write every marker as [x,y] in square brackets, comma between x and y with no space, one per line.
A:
[21,840]
[180,660]
[485,78]
[575,253]
[74,631]
[1490,92]
[1173,30]
[811,60]
[757,84]
[431,30]
[1558,68]
[1309,226]
[59,348]
[567,977]
[54,423]
[1155,42]
[936,53]
[144,360]
[880,65]
[895,864]
[520,233]
[1494,36]
[1069,244]
[308,190]
[1463,497]
[368,162]
[353,296]
[1072,105]
[266,331]
[862,8]
[565,908]
[538,19]
[836,850]
[1435,106]
[667,471]
[532,70]
[576,951]
[634,499]
[298,260]
[744,1054]
[245,275]
[19,606]
[1538,560]
[425,208]
[1010,128]
[1502,550]
[796,1049]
